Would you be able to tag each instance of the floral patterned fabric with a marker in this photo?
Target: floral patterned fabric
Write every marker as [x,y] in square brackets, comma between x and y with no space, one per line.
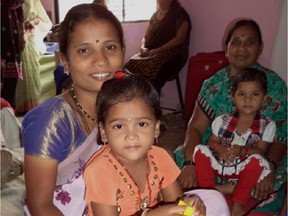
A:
[52,130]
[69,194]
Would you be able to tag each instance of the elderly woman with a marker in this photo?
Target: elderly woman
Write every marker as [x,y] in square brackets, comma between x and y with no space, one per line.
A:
[164,49]
[243,47]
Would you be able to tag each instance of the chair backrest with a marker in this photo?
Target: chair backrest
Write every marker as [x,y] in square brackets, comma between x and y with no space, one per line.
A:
[200,67]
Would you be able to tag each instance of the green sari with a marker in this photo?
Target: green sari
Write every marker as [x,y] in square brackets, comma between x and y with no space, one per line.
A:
[215,99]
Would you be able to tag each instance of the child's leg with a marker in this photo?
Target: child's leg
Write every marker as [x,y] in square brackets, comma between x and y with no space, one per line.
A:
[204,170]
[248,178]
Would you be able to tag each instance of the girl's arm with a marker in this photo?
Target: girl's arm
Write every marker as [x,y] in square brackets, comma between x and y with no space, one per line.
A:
[40,180]
[214,142]
[260,148]
[172,192]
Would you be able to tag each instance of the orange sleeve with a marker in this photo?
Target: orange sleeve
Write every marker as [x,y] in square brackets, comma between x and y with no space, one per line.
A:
[100,181]
[167,166]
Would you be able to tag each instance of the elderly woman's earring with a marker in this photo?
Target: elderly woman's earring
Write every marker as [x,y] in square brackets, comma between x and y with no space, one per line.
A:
[155,140]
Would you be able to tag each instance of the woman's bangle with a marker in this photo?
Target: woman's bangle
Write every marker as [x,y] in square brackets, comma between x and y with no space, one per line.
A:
[144,213]
[188,162]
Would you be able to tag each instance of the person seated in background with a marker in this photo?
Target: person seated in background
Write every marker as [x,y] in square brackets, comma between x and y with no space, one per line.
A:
[165,47]
[238,142]
[243,45]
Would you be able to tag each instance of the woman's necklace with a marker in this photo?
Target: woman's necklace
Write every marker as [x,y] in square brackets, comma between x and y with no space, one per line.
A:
[78,105]
[141,203]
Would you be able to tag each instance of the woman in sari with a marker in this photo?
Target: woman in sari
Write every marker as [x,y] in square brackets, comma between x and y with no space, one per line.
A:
[243,46]
[36,26]
[59,135]
[165,47]
[12,44]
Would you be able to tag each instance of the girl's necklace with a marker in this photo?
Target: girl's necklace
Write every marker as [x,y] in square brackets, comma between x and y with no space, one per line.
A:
[141,203]
[78,105]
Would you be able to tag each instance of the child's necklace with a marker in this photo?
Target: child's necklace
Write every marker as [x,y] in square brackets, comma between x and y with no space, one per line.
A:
[78,105]
[141,203]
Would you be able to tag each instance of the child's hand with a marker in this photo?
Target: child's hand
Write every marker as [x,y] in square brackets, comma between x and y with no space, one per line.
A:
[235,150]
[225,154]
[197,204]
[167,210]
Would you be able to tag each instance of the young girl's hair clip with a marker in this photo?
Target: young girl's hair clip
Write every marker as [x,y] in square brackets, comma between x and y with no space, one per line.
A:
[120,74]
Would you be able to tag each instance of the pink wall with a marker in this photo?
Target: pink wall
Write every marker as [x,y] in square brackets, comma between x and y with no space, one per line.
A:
[209,19]
[49,6]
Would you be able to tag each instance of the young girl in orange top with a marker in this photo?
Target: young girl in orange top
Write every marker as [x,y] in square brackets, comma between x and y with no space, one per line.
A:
[127,176]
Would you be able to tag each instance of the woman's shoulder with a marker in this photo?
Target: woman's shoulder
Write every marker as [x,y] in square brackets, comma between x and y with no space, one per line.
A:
[270,74]
[50,109]
[219,76]
[52,104]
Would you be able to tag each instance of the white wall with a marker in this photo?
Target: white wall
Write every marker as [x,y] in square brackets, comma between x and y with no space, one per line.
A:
[279,54]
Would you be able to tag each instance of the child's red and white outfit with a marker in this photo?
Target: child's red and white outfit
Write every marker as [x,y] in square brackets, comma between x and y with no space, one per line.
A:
[249,169]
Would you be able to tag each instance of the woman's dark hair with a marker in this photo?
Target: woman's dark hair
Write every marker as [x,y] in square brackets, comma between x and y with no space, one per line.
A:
[80,13]
[247,75]
[125,89]
[241,23]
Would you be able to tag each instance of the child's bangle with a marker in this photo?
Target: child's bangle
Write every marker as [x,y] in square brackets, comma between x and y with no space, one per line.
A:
[213,146]
[246,150]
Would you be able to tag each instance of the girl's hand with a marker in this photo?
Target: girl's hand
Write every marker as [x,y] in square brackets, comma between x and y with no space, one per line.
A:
[197,204]
[236,150]
[224,153]
[167,210]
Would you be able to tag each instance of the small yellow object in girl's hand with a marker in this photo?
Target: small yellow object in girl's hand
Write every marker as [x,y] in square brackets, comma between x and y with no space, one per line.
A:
[189,210]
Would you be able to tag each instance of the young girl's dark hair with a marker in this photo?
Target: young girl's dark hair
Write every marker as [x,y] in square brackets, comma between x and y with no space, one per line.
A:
[249,74]
[81,12]
[127,88]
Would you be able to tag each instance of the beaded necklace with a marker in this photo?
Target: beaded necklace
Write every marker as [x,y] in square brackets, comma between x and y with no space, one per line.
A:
[78,105]
[141,203]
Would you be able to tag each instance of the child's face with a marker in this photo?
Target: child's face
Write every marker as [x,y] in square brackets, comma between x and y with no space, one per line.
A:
[249,97]
[129,129]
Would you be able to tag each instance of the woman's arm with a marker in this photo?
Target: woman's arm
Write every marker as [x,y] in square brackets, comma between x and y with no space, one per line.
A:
[40,180]
[274,155]
[196,127]
[179,39]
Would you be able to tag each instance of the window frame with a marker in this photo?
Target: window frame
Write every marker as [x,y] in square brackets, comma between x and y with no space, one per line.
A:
[57,14]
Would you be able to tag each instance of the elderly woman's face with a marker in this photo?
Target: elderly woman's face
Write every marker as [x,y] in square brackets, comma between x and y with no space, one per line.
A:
[243,48]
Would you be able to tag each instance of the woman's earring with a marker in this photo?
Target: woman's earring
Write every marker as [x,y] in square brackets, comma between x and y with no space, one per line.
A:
[66,71]
[156,140]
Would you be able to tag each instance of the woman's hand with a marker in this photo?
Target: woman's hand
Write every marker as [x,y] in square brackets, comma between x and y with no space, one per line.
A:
[265,186]
[187,178]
